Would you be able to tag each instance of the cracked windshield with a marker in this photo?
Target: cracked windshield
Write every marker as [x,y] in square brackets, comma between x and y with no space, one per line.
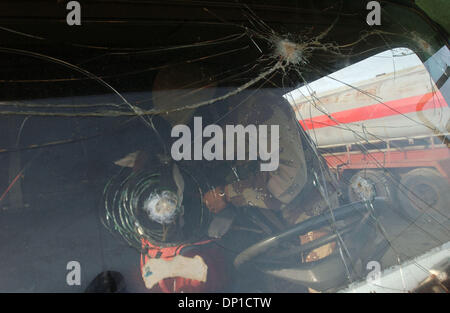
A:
[232,147]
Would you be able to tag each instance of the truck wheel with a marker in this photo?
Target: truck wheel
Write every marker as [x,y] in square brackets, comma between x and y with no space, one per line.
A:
[368,184]
[424,190]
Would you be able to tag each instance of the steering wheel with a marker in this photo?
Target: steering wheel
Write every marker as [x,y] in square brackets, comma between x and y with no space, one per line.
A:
[322,274]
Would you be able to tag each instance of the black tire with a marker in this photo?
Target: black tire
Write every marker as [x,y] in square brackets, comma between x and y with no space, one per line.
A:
[371,184]
[425,191]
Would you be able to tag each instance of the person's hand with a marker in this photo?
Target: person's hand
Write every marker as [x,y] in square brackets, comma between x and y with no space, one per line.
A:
[215,199]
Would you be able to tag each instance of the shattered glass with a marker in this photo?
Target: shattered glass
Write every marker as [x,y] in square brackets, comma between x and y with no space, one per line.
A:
[87,117]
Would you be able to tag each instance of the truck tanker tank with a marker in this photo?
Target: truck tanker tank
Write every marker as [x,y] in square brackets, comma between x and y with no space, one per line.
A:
[399,104]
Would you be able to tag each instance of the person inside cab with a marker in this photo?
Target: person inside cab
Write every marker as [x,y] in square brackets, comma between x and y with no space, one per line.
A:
[299,187]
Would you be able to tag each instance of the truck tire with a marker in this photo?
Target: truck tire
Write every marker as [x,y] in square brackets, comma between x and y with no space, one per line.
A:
[424,191]
[368,184]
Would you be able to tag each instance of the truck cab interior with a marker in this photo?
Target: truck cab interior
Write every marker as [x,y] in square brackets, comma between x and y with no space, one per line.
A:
[77,100]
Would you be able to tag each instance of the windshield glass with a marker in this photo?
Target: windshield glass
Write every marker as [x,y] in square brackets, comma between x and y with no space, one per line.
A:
[257,145]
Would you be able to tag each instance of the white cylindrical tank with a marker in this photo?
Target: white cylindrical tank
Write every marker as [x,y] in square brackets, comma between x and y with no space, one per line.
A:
[399,104]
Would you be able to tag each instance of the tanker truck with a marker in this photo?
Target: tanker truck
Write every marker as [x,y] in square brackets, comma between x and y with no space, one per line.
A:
[385,134]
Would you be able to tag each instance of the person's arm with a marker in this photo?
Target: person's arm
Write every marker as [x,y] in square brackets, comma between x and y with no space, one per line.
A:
[249,192]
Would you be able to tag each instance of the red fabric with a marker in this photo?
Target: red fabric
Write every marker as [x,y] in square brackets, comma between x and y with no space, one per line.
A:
[217,275]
